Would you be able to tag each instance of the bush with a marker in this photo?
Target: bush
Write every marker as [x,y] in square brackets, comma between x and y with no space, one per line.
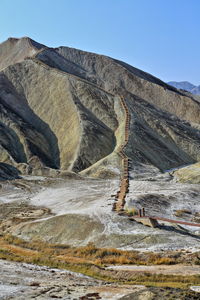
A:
[131,211]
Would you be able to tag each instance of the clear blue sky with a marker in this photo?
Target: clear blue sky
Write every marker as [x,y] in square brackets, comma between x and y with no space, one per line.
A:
[158,36]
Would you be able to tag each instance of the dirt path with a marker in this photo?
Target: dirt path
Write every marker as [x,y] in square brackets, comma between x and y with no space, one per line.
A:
[160,269]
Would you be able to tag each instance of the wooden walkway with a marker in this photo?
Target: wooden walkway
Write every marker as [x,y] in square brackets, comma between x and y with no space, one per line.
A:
[175,221]
[120,196]
[153,220]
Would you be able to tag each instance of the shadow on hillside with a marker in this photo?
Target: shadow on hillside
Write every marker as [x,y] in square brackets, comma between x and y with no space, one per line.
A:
[179,230]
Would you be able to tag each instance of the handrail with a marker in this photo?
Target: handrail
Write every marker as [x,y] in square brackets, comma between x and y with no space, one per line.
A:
[167,220]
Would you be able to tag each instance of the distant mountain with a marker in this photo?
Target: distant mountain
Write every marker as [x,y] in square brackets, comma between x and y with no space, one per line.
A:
[196,90]
[187,86]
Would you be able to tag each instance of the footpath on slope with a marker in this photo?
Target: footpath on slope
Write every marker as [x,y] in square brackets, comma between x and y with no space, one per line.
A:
[120,196]
[124,181]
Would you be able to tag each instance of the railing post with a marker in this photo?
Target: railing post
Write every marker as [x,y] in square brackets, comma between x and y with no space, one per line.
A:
[143,212]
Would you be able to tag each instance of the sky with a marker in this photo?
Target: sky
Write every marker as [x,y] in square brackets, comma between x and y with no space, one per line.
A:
[160,37]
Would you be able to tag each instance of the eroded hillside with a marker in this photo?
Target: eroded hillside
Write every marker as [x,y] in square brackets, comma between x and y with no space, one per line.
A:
[72,114]
[60,110]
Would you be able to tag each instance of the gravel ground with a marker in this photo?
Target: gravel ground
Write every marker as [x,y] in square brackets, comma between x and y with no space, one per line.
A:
[22,281]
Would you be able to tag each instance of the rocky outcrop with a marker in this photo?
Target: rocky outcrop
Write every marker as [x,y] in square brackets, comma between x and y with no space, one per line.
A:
[60,110]
[15,50]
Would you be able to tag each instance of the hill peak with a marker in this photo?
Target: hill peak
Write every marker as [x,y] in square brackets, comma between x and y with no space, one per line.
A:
[14,50]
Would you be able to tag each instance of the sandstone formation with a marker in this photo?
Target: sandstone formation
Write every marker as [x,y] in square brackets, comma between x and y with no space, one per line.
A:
[60,110]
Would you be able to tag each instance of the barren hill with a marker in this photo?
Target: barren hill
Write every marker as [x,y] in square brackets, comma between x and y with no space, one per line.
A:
[70,114]
[60,110]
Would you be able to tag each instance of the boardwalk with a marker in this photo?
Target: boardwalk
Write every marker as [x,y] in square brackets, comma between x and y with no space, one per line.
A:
[124,183]
[153,220]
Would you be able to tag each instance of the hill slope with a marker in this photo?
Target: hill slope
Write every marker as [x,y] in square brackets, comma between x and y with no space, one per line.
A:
[60,109]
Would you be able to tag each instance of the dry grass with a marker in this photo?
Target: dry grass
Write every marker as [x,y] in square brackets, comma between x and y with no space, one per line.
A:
[89,253]
[90,261]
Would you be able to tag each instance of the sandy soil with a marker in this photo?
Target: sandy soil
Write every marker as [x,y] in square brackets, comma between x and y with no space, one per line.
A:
[160,269]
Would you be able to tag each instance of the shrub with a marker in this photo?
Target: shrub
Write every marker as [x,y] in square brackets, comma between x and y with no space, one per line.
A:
[131,211]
